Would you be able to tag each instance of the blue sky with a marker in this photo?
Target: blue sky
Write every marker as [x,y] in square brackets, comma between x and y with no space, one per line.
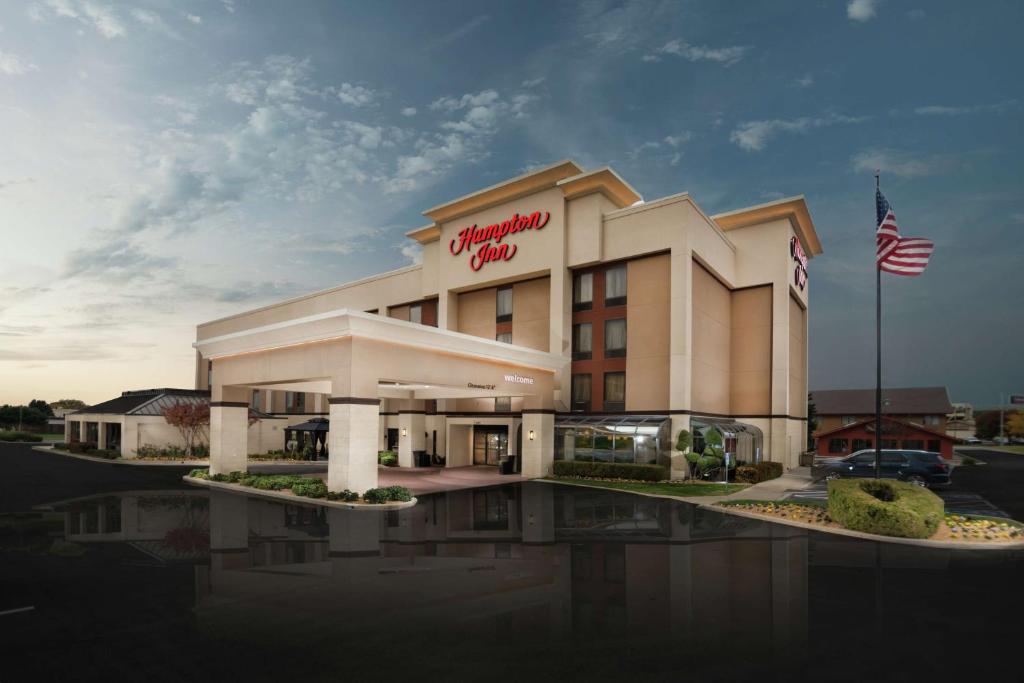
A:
[166,163]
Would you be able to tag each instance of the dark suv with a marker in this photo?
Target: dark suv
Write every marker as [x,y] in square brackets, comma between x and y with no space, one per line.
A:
[923,468]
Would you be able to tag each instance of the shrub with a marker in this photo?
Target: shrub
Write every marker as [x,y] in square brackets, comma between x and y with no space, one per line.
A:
[605,470]
[758,472]
[311,488]
[105,453]
[24,437]
[387,458]
[376,496]
[386,495]
[199,473]
[346,495]
[885,507]
[399,493]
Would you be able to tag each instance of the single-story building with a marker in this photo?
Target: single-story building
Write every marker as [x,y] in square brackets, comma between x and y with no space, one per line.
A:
[927,406]
[860,435]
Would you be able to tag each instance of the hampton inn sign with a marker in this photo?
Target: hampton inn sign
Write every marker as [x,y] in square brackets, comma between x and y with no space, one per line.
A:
[490,237]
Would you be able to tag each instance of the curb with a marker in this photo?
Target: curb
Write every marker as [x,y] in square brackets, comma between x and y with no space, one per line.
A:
[142,462]
[298,500]
[921,542]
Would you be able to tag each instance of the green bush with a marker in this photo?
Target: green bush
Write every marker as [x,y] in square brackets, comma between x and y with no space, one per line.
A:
[387,495]
[758,472]
[105,453]
[605,470]
[311,488]
[885,507]
[376,496]
[387,458]
[199,473]
[346,495]
[399,494]
[24,437]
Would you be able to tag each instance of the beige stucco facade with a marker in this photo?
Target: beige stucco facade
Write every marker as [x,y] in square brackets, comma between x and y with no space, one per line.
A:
[715,326]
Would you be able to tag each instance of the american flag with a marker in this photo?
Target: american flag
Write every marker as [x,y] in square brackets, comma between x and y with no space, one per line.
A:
[894,254]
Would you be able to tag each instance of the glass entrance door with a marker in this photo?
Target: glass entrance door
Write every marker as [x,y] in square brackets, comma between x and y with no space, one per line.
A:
[490,444]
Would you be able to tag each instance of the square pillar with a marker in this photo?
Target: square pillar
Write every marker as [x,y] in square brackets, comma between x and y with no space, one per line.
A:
[101,435]
[67,430]
[539,452]
[229,436]
[412,425]
[352,443]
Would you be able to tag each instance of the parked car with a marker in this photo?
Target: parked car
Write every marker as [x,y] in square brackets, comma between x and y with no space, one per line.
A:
[972,441]
[923,468]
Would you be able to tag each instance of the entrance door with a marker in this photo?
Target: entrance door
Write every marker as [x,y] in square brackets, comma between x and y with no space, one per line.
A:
[490,444]
[393,440]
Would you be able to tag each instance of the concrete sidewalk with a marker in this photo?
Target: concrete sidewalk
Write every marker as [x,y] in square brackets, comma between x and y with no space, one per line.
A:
[797,479]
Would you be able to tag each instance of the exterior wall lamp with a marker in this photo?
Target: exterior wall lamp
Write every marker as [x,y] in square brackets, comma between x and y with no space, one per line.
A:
[532,435]
[404,432]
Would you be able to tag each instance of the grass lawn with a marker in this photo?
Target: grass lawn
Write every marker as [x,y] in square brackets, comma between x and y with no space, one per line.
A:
[51,438]
[1019,450]
[658,488]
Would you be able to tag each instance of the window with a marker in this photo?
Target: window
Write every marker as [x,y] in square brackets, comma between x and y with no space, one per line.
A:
[893,459]
[934,446]
[254,402]
[614,391]
[416,313]
[581,392]
[615,338]
[504,305]
[889,443]
[849,419]
[837,445]
[865,459]
[582,341]
[294,401]
[504,337]
[861,444]
[209,374]
[932,420]
[503,404]
[913,444]
[615,286]
[582,291]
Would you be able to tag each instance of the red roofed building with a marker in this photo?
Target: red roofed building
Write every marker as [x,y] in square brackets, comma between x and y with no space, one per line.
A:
[900,434]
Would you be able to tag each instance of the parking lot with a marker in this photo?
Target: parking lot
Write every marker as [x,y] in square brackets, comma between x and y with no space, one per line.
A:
[990,489]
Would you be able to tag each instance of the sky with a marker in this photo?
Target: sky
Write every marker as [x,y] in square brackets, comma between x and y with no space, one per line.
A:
[167,163]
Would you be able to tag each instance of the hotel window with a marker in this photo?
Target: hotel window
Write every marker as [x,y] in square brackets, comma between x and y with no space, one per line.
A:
[849,419]
[615,338]
[504,337]
[862,444]
[254,401]
[294,401]
[615,286]
[932,420]
[913,444]
[837,445]
[209,374]
[934,446]
[582,291]
[582,341]
[581,392]
[614,391]
[504,304]
[416,314]
[503,404]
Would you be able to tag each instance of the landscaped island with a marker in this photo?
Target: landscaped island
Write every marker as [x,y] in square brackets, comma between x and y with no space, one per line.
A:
[649,479]
[306,487]
[884,507]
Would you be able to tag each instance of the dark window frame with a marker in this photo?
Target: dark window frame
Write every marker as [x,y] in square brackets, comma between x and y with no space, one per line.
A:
[613,406]
[575,402]
[615,300]
[582,305]
[507,317]
[614,353]
[838,445]
[576,353]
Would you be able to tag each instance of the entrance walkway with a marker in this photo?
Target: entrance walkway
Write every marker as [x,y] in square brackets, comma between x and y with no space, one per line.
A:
[437,479]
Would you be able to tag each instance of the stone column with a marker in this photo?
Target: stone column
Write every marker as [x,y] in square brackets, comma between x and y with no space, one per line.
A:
[229,531]
[67,430]
[129,437]
[352,442]
[229,430]
[101,435]
[539,451]
[411,426]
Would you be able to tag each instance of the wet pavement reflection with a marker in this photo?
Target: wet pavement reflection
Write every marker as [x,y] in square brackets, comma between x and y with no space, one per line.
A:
[528,580]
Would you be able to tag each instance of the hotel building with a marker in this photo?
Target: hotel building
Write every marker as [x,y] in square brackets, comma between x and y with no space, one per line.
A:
[555,315]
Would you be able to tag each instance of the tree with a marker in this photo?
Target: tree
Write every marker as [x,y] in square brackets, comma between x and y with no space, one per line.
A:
[13,416]
[191,421]
[684,441]
[812,421]
[68,404]
[1015,424]
[986,424]
[42,406]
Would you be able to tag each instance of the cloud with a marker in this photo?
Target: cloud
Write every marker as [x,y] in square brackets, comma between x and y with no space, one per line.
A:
[100,17]
[11,183]
[902,163]
[941,110]
[155,22]
[194,18]
[356,95]
[916,14]
[533,82]
[803,81]
[752,136]
[412,251]
[698,53]
[409,111]
[259,291]
[103,19]
[115,260]
[462,31]
[13,65]
[666,149]
[861,10]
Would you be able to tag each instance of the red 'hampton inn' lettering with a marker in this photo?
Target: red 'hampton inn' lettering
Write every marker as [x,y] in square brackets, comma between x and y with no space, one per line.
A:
[490,237]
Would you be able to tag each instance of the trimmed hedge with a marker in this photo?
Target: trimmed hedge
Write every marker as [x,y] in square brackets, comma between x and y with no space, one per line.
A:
[387,458]
[885,507]
[303,486]
[758,472]
[24,437]
[607,470]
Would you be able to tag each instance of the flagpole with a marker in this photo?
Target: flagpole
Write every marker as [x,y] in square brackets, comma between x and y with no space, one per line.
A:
[878,361]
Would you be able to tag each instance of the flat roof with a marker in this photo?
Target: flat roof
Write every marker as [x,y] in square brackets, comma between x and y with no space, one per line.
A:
[792,208]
